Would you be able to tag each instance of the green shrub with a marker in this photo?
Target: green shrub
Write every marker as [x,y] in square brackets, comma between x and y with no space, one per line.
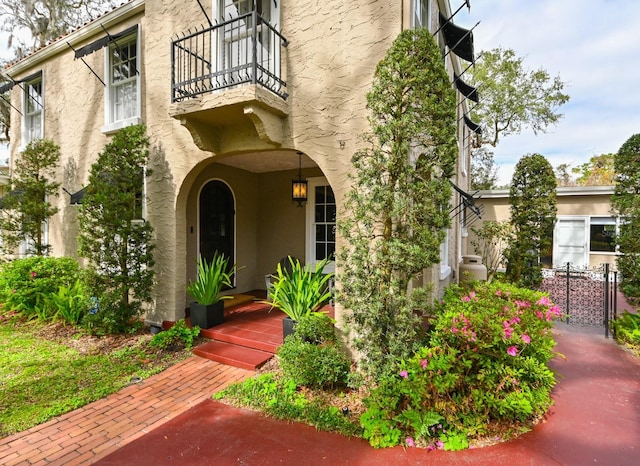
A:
[24,282]
[312,356]
[627,328]
[177,336]
[486,360]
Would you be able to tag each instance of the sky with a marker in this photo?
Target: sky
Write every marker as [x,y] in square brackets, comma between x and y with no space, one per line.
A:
[593,45]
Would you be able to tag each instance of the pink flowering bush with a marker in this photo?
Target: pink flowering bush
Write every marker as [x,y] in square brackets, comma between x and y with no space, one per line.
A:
[485,363]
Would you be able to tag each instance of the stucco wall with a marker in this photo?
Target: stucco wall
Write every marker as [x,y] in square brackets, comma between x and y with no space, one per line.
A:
[334,47]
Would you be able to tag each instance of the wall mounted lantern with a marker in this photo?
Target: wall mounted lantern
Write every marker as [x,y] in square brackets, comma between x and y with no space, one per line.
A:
[299,185]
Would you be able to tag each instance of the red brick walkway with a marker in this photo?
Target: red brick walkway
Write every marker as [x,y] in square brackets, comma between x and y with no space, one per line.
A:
[87,434]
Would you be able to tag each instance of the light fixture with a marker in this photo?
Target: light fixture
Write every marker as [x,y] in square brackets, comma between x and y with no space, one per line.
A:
[299,186]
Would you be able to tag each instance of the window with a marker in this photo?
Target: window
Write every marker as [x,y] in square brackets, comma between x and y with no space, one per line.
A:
[122,96]
[33,110]
[602,232]
[321,222]
[421,15]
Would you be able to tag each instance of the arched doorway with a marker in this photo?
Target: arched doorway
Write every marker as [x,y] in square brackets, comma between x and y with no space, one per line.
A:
[217,221]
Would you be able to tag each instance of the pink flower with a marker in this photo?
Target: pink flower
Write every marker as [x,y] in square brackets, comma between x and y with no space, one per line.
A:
[34,275]
[508,332]
[544,301]
[466,298]
[555,310]
[526,338]
[472,294]
[440,444]
[404,374]
[512,351]
[523,303]
[410,442]
[424,363]
[454,330]
[539,315]
[431,448]
[515,320]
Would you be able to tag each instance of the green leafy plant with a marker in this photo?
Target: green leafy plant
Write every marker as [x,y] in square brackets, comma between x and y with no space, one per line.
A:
[212,277]
[491,241]
[486,361]
[312,357]
[627,329]
[70,303]
[179,336]
[24,282]
[300,291]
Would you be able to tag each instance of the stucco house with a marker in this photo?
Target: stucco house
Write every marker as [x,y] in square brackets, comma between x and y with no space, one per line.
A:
[583,231]
[240,97]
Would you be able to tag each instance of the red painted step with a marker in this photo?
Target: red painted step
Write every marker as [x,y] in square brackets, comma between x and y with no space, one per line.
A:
[233,355]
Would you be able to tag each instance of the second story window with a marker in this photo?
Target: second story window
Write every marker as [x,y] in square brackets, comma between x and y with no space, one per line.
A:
[122,97]
[33,126]
[421,17]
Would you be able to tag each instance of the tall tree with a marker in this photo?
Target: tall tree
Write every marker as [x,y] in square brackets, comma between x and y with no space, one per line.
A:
[26,208]
[598,171]
[399,200]
[484,174]
[533,214]
[45,20]
[514,98]
[113,236]
[625,204]
[563,175]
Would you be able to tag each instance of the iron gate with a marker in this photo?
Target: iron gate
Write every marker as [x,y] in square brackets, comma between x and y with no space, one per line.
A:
[587,296]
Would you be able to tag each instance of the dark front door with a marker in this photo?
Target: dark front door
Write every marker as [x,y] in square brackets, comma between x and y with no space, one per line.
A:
[217,213]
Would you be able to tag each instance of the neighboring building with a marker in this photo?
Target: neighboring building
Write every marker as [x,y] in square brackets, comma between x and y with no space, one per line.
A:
[584,230]
[227,118]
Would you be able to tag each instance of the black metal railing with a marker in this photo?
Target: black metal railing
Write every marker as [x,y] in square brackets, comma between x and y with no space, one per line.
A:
[242,50]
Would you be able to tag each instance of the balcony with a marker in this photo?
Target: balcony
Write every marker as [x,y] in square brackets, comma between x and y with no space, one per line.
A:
[227,76]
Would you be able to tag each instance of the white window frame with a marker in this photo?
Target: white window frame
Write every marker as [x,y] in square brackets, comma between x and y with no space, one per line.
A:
[27,137]
[602,220]
[310,259]
[445,268]
[420,9]
[111,123]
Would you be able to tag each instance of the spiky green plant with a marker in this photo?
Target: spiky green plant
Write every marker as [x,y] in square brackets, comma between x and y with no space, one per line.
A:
[205,289]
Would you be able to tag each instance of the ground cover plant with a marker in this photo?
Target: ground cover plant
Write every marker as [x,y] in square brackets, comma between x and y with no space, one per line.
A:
[49,368]
[627,331]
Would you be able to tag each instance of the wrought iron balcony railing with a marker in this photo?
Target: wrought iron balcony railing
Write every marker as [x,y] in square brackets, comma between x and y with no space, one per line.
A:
[242,50]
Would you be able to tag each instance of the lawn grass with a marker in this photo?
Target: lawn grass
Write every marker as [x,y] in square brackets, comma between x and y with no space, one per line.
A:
[41,379]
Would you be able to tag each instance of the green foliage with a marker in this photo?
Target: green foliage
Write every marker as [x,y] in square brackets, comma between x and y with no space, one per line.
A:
[398,204]
[533,215]
[300,291]
[484,174]
[627,329]
[312,357]
[70,303]
[26,207]
[178,336]
[24,282]
[113,236]
[491,242]
[279,397]
[625,204]
[513,97]
[212,277]
[486,360]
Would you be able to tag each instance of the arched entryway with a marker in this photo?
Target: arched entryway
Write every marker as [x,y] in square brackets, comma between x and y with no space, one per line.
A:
[217,221]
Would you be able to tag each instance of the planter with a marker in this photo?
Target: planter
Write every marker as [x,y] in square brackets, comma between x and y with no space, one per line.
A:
[206,316]
[288,327]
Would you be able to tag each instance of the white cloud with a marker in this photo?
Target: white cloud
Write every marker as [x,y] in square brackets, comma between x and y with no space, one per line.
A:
[593,46]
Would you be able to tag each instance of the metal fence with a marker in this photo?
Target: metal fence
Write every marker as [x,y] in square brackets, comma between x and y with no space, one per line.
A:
[587,296]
